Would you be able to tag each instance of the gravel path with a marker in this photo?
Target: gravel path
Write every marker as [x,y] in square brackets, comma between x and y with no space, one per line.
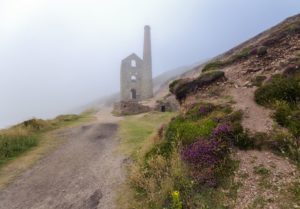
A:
[83,173]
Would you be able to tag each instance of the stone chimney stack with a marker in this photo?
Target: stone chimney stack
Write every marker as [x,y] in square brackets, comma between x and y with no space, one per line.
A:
[147,60]
[147,47]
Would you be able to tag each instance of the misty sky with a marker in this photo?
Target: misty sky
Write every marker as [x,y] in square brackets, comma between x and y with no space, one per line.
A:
[56,55]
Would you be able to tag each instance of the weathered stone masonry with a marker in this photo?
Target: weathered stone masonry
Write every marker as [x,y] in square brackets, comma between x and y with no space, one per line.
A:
[136,73]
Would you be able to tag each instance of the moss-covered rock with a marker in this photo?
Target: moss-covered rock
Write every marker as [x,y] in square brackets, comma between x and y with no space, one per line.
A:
[181,88]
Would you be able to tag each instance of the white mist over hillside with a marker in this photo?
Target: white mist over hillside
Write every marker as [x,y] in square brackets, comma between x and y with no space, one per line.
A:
[56,56]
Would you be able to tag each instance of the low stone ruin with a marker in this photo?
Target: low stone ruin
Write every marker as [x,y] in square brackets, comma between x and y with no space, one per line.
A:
[129,108]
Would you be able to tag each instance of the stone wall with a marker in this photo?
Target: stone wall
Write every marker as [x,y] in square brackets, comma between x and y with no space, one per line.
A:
[129,108]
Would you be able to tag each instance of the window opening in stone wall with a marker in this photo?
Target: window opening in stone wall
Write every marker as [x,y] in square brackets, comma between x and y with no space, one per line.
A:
[133,63]
[133,78]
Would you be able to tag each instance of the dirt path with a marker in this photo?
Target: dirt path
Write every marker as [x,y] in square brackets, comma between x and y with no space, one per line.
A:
[256,118]
[83,173]
[263,175]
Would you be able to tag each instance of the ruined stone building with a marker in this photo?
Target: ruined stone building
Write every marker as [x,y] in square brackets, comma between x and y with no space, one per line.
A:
[136,73]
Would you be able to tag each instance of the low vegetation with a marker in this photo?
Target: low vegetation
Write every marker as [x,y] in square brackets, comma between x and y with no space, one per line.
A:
[242,54]
[182,87]
[186,164]
[282,94]
[19,139]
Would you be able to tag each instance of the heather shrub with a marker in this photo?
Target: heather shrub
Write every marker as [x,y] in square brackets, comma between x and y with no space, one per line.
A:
[203,157]
[223,131]
[199,111]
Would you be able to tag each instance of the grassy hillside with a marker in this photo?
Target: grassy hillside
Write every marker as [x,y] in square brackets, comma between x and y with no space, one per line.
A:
[235,142]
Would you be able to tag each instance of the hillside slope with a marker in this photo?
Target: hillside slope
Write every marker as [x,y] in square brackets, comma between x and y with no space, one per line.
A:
[235,142]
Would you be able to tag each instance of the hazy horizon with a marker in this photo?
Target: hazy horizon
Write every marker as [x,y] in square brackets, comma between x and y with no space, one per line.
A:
[57,56]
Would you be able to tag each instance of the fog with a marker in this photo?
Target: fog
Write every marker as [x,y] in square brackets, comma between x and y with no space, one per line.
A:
[56,56]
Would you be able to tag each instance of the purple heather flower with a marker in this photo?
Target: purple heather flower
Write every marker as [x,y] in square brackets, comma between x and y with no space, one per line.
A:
[221,130]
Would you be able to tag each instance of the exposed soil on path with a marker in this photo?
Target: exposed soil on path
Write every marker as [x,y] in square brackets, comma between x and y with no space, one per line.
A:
[262,174]
[83,173]
[256,118]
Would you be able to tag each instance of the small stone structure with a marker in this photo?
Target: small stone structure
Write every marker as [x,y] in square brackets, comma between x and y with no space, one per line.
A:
[136,73]
[169,104]
[129,108]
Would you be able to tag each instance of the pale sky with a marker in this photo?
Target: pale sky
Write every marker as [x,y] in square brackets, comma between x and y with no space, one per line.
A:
[56,55]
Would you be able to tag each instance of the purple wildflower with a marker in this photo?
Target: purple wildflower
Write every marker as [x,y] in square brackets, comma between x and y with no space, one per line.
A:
[222,130]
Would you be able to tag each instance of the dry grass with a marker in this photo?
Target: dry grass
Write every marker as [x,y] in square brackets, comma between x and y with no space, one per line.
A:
[46,141]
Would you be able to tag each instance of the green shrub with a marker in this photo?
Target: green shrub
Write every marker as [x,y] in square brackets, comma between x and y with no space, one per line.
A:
[173,85]
[240,55]
[187,132]
[36,124]
[286,144]
[164,149]
[67,118]
[241,138]
[280,89]
[218,64]
[288,117]
[199,110]
[283,113]
[213,66]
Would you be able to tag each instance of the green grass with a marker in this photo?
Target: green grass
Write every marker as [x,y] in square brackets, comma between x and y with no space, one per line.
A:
[12,146]
[187,131]
[219,64]
[261,170]
[135,130]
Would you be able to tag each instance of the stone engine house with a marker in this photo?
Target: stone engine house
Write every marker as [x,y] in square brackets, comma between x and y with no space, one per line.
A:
[136,73]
